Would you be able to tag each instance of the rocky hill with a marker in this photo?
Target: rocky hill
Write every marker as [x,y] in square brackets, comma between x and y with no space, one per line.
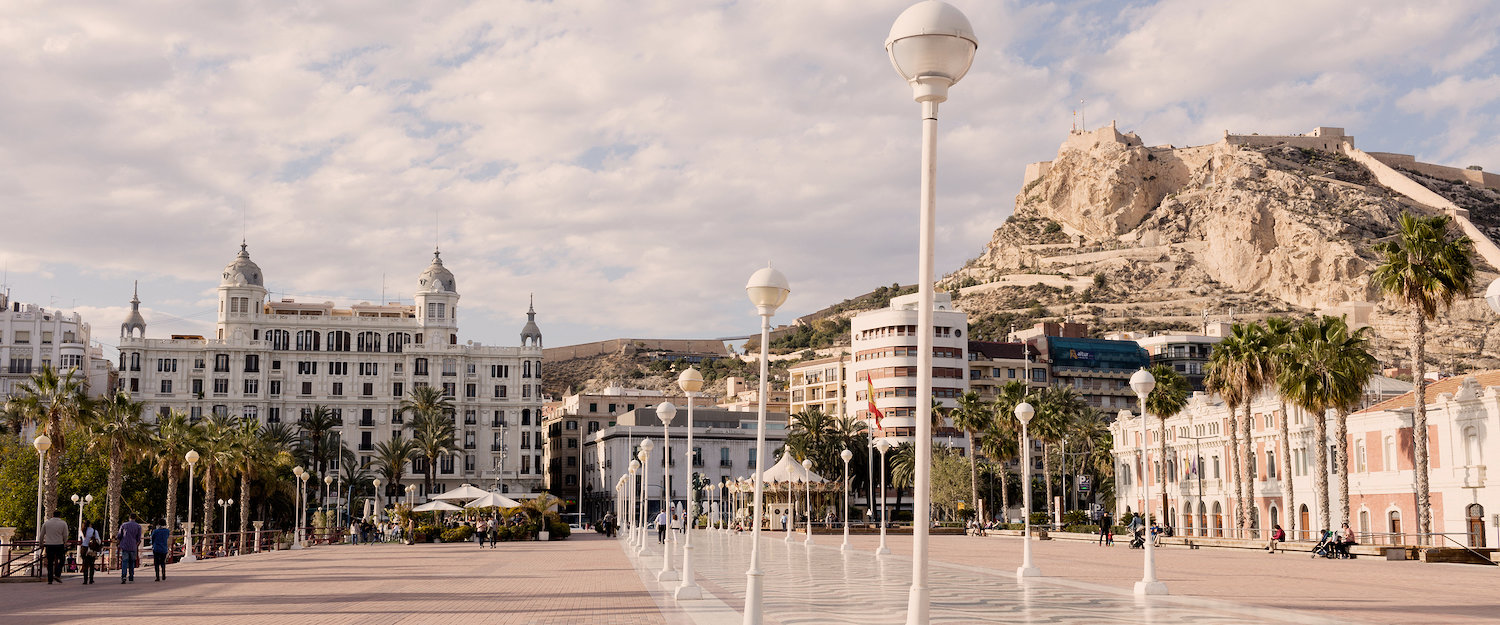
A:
[1122,235]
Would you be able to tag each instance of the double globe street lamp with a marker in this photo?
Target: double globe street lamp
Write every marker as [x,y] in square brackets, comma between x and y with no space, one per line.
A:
[931,45]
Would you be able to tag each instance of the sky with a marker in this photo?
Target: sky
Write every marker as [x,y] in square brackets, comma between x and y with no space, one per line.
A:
[631,163]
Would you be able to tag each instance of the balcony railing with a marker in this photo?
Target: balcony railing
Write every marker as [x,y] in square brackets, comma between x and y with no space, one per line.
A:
[728,464]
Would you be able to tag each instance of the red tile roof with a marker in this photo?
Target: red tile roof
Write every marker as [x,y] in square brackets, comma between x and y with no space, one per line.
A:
[1446,385]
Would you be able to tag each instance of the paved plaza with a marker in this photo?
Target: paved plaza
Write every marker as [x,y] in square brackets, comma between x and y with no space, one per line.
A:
[589,579]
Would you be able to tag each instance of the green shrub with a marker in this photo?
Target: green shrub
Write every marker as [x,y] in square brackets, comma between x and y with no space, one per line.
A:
[558,530]
[458,534]
[1040,518]
[429,533]
[1075,517]
[505,533]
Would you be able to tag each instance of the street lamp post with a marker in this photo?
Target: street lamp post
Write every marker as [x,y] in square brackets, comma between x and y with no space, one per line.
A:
[301,474]
[224,512]
[630,513]
[1024,412]
[1142,383]
[768,290]
[81,502]
[690,381]
[883,446]
[645,499]
[376,483]
[845,455]
[42,443]
[807,489]
[327,494]
[187,528]
[932,46]
[665,411]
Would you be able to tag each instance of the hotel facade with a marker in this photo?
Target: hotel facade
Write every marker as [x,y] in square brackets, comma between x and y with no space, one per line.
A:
[273,361]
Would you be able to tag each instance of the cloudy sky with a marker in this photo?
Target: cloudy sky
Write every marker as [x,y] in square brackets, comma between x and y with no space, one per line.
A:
[630,162]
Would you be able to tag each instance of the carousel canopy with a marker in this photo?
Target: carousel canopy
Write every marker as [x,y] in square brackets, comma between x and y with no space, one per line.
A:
[788,470]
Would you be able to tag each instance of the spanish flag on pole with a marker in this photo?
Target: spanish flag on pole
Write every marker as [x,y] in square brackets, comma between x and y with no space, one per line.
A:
[870,395]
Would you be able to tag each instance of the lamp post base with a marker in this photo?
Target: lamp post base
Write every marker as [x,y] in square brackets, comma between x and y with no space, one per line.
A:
[668,576]
[754,587]
[187,543]
[688,593]
[1144,588]
[883,551]
[845,546]
[1028,571]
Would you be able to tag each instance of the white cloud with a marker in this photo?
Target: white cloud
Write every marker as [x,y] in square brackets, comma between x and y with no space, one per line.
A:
[631,163]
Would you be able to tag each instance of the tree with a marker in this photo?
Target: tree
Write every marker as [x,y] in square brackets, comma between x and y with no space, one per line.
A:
[1327,369]
[1239,369]
[171,438]
[56,401]
[1057,407]
[1001,441]
[315,426]
[115,425]
[217,456]
[1166,400]
[391,457]
[435,436]
[1279,333]
[1425,268]
[258,449]
[973,415]
[811,437]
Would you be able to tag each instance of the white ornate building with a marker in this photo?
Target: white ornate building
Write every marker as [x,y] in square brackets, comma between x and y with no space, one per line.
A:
[33,337]
[272,361]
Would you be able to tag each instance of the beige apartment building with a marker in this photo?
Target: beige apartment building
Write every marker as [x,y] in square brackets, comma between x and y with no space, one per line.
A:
[569,422]
[818,384]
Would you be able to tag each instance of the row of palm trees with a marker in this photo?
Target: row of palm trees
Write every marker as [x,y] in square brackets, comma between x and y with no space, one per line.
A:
[1320,366]
[230,449]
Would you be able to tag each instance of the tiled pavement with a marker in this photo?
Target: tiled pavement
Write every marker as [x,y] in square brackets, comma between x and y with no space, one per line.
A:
[585,579]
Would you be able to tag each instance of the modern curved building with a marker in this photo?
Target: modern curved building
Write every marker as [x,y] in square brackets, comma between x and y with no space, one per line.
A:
[884,347]
[272,361]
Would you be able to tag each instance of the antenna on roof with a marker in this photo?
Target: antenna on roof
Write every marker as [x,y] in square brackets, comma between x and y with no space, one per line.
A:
[1082,121]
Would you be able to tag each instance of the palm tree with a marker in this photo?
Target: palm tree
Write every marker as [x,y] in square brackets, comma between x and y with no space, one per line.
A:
[315,427]
[426,400]
[171,438]
[14,417]
[353,478]
[972,416]
[258,449]
[1279,331]
[115,425]
[216,454]
[1325,371]
[435,436]
[1352,367]
[58,401]
[1166,400]
[1425,269]
[1001,441]
[1056,409]
[391,457]
[1239,369]
[811,436]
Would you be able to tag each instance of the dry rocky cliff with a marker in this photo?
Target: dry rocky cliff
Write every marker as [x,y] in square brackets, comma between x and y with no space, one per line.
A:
[1118,234]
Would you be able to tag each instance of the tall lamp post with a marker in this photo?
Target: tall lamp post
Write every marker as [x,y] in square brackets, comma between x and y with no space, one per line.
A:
[376,484]
[42,443]
[224,512]
[690,381]
[845,455]
[645,499]
[327,493]
[883,446]
[807,489]
[1142,383]
[768,290]
[1024,412]
[187,528]
[665,411]
[932,46]
[630,518]
[301,474]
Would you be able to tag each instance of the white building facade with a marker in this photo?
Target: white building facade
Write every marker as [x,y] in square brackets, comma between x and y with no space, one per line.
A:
[1463,417]
[884,347]
[33,337]
[274,361]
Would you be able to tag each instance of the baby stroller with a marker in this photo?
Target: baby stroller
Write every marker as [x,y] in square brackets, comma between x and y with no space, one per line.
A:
[1136,540]
[1325,547]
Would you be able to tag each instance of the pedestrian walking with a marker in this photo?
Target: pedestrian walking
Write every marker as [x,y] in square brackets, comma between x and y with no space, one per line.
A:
[54,546]
[161,546]
[1106,529]
[128,540]
[661,527]
[783,521]
[482,533]
[89,544]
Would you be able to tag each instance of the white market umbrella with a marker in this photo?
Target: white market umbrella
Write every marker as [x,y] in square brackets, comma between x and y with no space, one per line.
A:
[462,493]
[436,506]
[493,500]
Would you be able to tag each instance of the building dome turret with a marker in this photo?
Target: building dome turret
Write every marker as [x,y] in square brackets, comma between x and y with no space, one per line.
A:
[134,321]
[437,278]
[531,335]
[242,271]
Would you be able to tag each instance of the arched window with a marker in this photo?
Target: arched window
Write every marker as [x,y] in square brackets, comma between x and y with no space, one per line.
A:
[135,361]
[1218,519]
[1360,466]
[280,339]
[396,342]
[308,341]
[1388,454]
[1270,464]
[1216,467]
[1473,455]
[367,342]
[338,341]
[1394,519]
[526,369]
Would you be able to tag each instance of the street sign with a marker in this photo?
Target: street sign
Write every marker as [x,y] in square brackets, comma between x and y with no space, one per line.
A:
[1083,483]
